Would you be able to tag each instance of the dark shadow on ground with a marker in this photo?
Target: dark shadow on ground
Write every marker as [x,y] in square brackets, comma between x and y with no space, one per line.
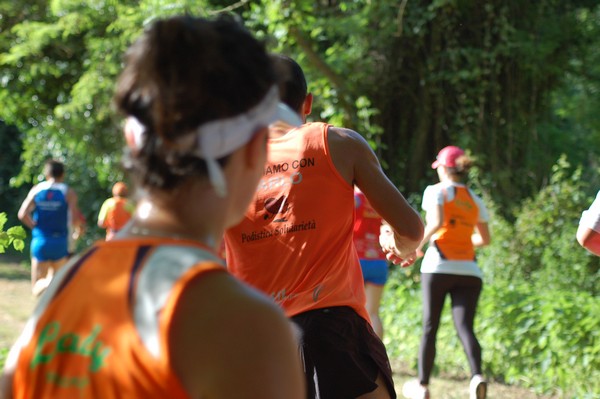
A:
[14,270]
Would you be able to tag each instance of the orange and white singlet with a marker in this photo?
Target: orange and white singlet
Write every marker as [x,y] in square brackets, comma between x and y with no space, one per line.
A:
[106,336]
[115,212]
[451,249]
[453,238]
[295,242]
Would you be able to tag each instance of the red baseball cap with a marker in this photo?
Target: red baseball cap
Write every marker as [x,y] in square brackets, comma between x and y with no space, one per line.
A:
[447,157]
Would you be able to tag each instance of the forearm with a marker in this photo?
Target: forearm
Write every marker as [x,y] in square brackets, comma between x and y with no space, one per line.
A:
[5,386]
[430,230]
[27,220]
[477,240]
[589,239]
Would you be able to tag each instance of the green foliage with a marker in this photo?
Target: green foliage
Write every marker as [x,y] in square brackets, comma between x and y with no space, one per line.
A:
[484,75]
[538,315]
[3,356]
[411,78]
[540,247]
[543,339]
[552,334]
[14,236]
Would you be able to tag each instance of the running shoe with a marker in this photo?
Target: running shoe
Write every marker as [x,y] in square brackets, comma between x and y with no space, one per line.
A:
[412,389]
[478,387]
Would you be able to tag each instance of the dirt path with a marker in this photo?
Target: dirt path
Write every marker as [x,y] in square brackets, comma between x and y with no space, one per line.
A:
[16,303]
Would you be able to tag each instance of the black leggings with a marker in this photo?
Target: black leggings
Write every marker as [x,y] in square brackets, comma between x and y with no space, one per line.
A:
[464,292]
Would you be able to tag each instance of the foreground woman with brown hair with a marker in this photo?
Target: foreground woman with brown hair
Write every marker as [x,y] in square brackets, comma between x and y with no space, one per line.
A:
[153,313]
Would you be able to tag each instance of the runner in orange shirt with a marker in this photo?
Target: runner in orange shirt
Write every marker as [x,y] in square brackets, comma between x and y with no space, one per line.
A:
[457,223]
[116,211]
[298,232]
[153,313]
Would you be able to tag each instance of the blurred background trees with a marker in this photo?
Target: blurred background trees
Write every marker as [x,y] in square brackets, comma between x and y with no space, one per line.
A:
[515,83]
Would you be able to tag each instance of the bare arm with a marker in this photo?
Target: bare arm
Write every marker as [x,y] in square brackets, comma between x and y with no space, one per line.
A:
[434,219]
[27,206]
[6,380]
[74,211]
[589,239]
[481,237]
[223,331]
[6,384]
[358,164]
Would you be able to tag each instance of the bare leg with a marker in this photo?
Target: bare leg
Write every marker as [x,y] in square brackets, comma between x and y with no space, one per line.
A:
[374,293]
[39,269]
[48,268]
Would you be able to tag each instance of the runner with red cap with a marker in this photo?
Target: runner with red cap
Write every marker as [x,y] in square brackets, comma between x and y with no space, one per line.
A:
[456,223]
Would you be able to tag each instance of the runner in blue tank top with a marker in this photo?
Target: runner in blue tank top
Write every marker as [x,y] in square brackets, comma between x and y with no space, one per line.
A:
[48,211]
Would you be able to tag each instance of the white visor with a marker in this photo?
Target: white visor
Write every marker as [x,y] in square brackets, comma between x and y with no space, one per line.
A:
[215,139]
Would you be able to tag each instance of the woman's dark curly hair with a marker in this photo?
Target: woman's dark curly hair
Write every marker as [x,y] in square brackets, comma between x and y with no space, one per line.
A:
[182,72]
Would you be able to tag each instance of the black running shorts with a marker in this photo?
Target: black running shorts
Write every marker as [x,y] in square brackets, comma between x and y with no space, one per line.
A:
[341,353]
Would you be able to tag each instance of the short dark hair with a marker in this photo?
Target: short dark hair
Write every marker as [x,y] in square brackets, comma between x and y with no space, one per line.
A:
[291,80]
[182,72]
[54,169]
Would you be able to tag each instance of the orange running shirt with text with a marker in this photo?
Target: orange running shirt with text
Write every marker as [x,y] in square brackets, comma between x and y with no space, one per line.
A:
[453,239]
[295,242]
[101,330]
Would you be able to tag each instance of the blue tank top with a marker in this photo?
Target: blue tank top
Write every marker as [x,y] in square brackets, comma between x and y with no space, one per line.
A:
[51,213]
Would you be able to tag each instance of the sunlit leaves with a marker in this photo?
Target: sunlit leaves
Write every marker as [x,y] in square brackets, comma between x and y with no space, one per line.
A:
[14,236]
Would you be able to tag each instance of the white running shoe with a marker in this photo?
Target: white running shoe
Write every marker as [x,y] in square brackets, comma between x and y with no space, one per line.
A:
[412,389]
[478,387]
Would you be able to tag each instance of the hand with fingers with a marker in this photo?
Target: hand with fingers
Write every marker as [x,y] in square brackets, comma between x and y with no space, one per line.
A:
[398,250]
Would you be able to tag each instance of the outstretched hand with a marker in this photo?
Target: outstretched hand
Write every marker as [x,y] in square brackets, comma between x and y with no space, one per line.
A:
[395,253]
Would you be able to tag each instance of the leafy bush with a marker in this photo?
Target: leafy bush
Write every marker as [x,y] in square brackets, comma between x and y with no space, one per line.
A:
[3,356]
[538,315]
[545,340]
[540,248]
[14,236]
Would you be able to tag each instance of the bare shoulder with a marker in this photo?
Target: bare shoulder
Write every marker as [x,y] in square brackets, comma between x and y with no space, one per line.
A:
[349,152]
[344,136]
[223,330]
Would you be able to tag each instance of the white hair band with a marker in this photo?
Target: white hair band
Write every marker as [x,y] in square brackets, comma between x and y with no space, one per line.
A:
[215,139]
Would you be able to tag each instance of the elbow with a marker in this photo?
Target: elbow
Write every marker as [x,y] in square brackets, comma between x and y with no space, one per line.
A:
[418,231]
[581,237]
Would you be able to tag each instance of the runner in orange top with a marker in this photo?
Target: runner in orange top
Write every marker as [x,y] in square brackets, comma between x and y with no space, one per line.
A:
[116,211]
[295,244]
[153,313]
[457,222]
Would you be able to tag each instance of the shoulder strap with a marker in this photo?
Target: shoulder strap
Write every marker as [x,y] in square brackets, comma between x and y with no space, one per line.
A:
[157,278]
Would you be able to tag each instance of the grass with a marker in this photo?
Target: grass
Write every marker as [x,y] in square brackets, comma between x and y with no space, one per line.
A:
[16,304]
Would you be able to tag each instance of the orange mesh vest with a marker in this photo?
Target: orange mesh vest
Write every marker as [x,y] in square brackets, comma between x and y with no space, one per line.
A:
[117,215]
[87,343]
[295,242]
[453,239]
[367,226]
